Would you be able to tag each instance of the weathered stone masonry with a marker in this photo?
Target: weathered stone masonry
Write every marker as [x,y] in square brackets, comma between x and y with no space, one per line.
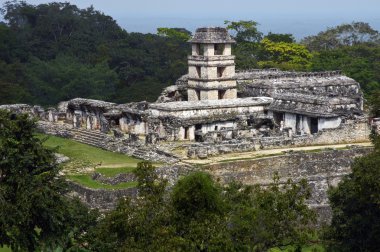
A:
[321,170]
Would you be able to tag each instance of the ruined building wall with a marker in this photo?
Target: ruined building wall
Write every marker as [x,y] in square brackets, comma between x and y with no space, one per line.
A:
[320,169]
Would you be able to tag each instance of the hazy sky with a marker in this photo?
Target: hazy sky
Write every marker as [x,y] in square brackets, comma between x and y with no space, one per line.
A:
[300,17]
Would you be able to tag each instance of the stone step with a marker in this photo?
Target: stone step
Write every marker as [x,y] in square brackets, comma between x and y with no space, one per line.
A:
[89,133]
[89,137]
[89,141]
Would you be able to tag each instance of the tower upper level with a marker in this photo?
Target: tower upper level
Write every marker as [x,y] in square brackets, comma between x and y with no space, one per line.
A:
[211,41]
[211,65]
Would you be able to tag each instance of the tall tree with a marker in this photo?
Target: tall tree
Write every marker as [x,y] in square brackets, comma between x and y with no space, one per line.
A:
[355,203]
[247,37]
[279,37]
[34,213]
[283,55]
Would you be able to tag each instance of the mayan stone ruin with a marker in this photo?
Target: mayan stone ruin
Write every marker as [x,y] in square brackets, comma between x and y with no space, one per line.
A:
[215,109]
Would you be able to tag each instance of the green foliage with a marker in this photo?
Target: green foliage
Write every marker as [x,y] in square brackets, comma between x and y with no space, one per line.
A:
[138,225]
[247,37]
[356,207]
[265,218]
[200,215]
[342,35]
[244,31]
[272,51]
[375,103]
[196,195]
[176,33]
[283,55]
[33,211]
[278,37]
[85,54]
[66,78]
[148,183]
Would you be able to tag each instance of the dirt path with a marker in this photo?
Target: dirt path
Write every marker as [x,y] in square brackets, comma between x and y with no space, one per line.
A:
[263,153]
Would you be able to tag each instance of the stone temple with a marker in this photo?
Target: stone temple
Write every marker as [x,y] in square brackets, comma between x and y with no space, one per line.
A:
[215,109]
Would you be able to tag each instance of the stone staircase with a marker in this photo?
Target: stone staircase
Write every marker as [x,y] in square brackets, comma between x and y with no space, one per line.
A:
[108,142]
[90,137]
[102,140]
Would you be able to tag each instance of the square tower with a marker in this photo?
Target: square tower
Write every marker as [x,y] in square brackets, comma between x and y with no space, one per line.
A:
[211,66]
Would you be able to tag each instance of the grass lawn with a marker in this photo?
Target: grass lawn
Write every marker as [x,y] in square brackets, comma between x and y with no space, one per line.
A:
[112,172]
[87,181]
[76,150]
[85,156]
[5,249]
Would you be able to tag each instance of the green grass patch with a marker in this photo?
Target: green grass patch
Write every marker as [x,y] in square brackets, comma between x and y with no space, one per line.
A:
[87,181]
[112,172]
[76,150]
[5,249]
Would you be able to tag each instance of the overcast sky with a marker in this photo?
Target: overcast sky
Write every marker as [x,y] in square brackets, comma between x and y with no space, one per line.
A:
[300,17]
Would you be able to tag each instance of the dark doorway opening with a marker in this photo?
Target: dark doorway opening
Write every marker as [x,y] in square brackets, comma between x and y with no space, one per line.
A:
[278,117]
[298,124]
[221,94]
[198,132]
[313,125]
[186,136]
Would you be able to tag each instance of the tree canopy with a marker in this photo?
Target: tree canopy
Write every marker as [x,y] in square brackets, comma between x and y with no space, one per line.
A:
[356,206]
[34,213]
[199,214]
[122,67]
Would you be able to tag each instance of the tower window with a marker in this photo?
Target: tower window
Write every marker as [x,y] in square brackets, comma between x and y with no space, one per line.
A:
[221,94]
[218,49]
[198,68]
[198,92]
[200,49]
[220,71]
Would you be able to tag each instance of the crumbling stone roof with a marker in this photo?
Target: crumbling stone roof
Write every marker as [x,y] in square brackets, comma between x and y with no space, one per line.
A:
[80,102]
[313,105]
[205,104]
[314,99]
[279,79]
[212,35]
[275,73]
[13,107]
[134,107]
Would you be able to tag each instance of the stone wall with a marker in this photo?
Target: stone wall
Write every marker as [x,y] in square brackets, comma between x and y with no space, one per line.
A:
[99,198]
[349,132]
[321,169]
